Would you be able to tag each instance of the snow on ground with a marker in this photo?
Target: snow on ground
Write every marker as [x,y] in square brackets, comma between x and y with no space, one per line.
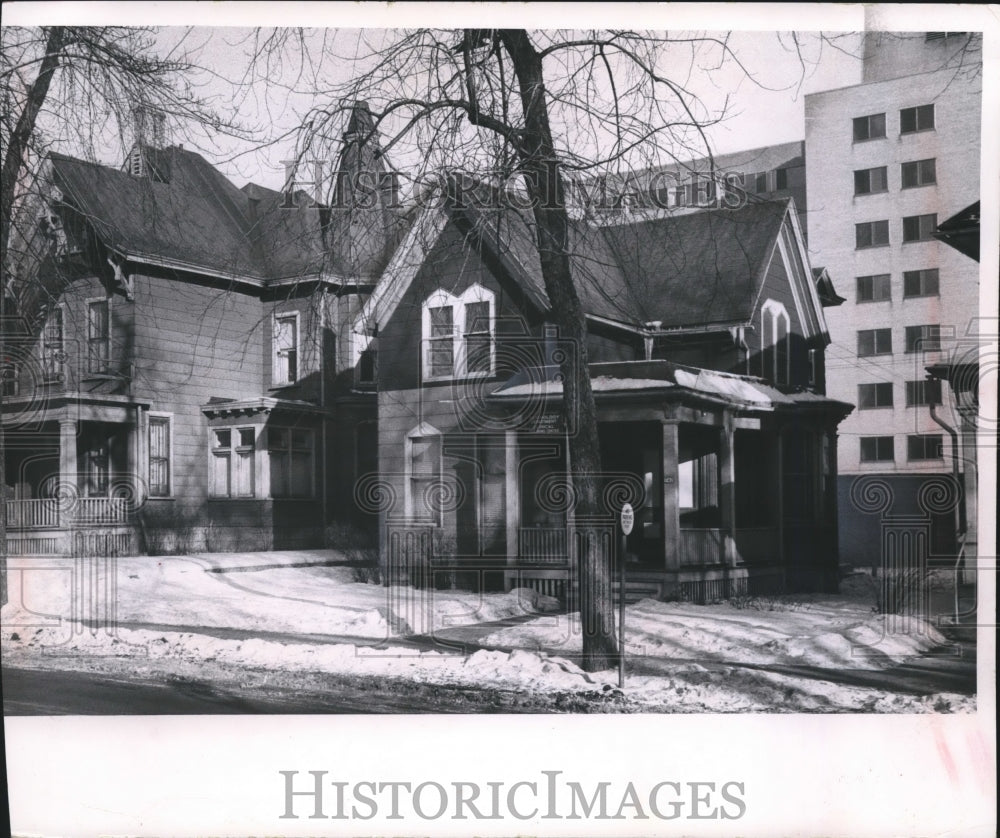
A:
[293,612]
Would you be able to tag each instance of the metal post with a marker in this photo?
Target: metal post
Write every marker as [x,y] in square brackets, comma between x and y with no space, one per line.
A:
[621,610]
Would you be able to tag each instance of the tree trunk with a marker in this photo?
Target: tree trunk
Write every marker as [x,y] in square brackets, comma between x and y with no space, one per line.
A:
[544,177]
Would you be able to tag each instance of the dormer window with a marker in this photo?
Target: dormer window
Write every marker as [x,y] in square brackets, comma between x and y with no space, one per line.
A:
[286,349]
[458,332]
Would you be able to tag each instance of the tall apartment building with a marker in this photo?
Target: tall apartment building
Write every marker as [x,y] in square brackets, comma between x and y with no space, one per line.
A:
[887,160]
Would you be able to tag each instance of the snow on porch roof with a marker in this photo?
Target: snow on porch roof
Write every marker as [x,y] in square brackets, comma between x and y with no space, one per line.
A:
[650,376]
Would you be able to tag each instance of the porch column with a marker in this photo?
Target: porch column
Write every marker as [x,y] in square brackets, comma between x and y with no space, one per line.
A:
[512,496]
[67,468]
[727,490]
[671,499]
[138,461]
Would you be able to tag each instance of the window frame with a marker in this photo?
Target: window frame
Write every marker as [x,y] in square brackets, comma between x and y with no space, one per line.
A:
[917,110]
[856,121]
[875,342]
[871,227]
[878,441]
[870,190]
[230,452]
[460,336]
[885,284]
[774,350]
[921,275]
[920,171]
[106,339]
[923,235]
[276,353]
[926,341]
[923,440]
[876,388]
[156,417]
[917,392]
[54,360]
[422,432]
[289,451]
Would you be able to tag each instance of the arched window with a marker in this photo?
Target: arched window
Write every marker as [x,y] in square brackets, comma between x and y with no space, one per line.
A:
[774,328]
[459,334]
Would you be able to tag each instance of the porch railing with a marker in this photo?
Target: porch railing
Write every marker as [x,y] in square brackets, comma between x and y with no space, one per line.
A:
[700,547]
[45,513]
[543,545]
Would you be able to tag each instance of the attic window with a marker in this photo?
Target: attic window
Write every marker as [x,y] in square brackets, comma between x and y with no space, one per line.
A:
[459,334]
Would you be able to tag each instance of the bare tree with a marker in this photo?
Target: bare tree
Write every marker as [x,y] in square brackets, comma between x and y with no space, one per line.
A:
[78,88]
[534,110]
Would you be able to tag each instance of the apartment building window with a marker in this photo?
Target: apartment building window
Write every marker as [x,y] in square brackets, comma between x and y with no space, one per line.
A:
[290,454]
[919,228]
[231,467]
[920,118]
[874,395]
[871,234]
[874,289]
[159,456]
[877,449]
[871,127]
[53,353]
[922,393]
[760,182]
[923,283]
[924,447]
[874,342]
[868,181]
[98,335]
[918,173]
[923,338]
[286,348]
[781,179]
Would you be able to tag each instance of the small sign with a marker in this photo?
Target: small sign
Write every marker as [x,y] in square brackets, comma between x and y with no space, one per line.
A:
[628,518]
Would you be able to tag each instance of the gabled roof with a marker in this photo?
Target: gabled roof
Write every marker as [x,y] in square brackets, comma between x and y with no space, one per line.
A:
[189,216]
[961,231]
[685,270]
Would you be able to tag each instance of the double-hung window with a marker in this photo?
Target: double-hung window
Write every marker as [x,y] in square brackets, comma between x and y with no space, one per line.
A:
[290,455]
[53,354]
[458,333]
[924,392]
[98,335]
[286,349]
[159,457]
[424,465]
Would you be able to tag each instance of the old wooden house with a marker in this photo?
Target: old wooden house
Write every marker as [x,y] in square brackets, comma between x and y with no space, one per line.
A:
[178,375]
[706,338]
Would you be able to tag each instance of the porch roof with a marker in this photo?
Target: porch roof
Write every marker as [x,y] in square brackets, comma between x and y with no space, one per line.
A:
[662,377]
[217,407]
